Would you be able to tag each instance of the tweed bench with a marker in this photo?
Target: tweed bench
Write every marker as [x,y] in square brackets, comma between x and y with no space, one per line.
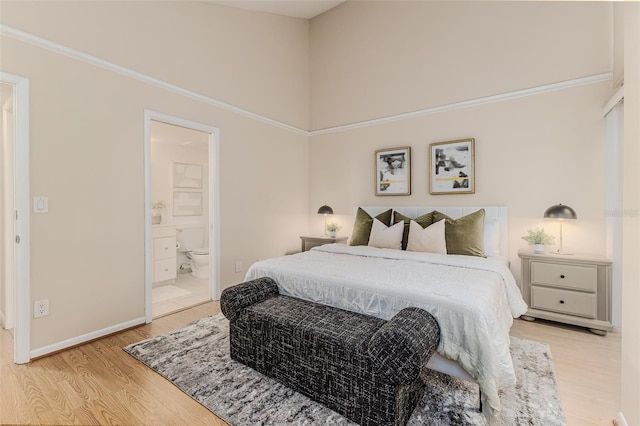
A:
[365,368]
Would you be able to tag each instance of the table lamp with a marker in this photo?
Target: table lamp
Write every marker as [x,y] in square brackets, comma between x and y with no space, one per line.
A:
[325,210]
[560,212]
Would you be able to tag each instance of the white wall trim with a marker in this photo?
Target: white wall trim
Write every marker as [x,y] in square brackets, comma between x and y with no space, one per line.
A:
[472,102]
[79,340]
[22,252]
[76,54]
[621,420]
[614,214]
[85,57]
[611,103]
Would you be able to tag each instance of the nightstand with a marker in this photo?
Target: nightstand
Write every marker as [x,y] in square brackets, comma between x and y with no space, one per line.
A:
[572,289]
[309,241]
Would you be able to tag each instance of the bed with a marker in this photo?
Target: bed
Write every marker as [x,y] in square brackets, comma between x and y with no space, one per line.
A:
[473,298]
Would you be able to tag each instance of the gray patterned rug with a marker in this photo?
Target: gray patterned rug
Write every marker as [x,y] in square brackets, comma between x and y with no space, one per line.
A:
[196,359]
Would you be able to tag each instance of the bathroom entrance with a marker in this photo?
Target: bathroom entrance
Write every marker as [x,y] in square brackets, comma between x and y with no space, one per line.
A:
[182,201]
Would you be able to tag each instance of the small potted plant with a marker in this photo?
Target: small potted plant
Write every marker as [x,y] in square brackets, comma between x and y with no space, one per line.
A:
[332,229]
[538,239]
[156,214]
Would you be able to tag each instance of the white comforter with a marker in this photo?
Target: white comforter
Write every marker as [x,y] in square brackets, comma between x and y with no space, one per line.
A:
[474,299]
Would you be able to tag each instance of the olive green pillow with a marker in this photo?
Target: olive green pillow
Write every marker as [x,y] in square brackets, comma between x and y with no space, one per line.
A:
[424,221]
[464,235]
[362,226]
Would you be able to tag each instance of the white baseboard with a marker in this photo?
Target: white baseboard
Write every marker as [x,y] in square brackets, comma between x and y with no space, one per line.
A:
[45,350]
[621,420]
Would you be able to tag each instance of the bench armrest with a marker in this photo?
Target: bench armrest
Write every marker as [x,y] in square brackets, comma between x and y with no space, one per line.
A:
[234,299]
[402,346]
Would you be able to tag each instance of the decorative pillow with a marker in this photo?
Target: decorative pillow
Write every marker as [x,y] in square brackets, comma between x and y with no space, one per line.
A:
[383,236]
[492,238]
[464,235]
[430,239]
[424,221]
[362,226]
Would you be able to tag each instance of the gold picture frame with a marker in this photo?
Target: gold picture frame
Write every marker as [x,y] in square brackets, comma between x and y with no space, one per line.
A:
[452,167]
[393,171]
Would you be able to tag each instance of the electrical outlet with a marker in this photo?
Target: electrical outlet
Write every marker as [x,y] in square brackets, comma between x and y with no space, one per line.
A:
[41,308]
[238,266]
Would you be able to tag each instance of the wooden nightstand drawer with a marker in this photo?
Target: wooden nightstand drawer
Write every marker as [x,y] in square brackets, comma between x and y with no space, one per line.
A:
[564,301]
[583,278]
[310,241]
[573,289]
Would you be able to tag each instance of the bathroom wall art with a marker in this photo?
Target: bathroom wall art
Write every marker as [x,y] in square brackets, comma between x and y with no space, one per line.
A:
[187,203]
[187,175]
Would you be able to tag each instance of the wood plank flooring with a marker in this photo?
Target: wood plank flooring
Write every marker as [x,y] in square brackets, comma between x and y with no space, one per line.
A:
[587,369]
[98,383]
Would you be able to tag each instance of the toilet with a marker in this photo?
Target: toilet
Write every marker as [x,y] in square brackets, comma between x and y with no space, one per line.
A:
[190,242]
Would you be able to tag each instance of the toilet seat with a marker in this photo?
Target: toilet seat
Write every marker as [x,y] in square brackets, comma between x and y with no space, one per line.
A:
[200,251]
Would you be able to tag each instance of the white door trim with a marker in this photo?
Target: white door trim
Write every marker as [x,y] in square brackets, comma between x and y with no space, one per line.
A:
[214,202]
[21,212]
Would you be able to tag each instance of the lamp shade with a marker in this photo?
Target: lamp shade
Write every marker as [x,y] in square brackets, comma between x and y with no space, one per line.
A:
[560,211]
[325,210]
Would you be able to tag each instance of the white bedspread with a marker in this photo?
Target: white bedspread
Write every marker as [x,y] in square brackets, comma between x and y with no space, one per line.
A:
[474,299]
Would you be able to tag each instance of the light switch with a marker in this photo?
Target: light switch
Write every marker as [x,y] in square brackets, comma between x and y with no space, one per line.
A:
[40,204]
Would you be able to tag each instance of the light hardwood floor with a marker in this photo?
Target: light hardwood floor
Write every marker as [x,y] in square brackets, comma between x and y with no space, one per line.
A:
[98,383]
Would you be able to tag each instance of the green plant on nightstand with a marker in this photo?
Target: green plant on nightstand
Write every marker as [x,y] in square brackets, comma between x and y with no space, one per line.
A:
[332,229]
[538,239]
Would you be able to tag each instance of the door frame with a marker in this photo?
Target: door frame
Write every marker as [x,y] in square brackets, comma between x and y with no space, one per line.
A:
[18,207]
[214,202]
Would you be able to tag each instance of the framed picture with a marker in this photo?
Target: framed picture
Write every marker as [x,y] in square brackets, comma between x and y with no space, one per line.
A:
[187,203]
[187,175]
[393,171]
[452,167]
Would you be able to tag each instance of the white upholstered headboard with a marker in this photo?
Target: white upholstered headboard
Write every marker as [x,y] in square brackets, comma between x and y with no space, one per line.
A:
[497,213]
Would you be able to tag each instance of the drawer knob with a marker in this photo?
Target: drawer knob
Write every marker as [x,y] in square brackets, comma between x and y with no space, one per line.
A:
[562,276]
[562,302]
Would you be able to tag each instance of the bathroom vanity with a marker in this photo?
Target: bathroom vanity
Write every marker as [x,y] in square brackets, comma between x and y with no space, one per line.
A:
[164,254]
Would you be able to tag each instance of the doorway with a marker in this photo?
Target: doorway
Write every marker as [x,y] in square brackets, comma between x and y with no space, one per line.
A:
[7,284]
[181,191]
[15,309]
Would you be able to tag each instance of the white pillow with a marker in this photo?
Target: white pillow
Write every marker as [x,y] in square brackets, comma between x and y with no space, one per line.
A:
[430,239]
[491,238]
[383,236]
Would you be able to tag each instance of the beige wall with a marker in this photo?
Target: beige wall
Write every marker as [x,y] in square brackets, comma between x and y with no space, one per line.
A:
[631,202]
[380,58]
[531,152]
[256,61]
[87,253]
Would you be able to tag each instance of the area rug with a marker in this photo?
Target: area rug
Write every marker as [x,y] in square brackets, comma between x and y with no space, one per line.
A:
[196,359]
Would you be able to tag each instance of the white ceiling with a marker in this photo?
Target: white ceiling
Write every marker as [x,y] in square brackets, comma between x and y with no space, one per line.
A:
[306,9]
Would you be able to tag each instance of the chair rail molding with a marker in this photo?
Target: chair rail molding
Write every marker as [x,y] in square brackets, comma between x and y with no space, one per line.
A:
[76,54]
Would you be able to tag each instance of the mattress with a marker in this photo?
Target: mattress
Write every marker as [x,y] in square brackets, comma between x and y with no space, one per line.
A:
[474,299]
